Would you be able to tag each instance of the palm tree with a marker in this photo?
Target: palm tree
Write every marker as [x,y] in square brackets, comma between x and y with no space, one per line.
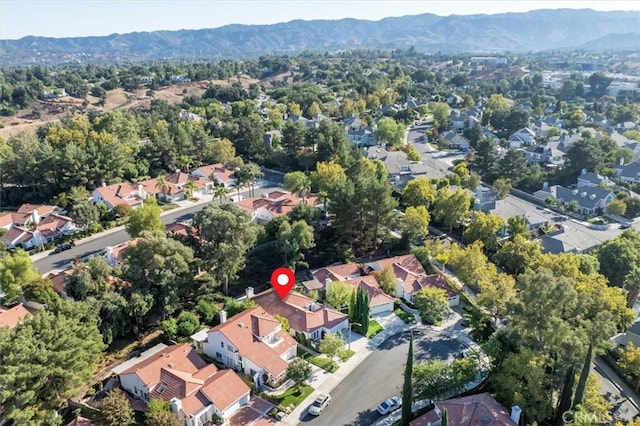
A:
[220,191]
[163,185]
[189,187]
[632,285]
[185,163]
[252,171]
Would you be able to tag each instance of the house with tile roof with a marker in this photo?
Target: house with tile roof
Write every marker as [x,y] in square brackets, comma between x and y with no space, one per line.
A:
[474,410]
[46,230]
[305,315]
[221,175]
[114,256]
[27,214]
[11,317]
[254,343]
[411,277]
[275,204]
[197,391]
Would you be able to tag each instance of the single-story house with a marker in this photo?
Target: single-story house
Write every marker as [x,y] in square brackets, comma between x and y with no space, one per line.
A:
[473,410]
[305,315]
[114,256]
[275,204]
[219,172]
[455,140]
[197,391]
[254,343]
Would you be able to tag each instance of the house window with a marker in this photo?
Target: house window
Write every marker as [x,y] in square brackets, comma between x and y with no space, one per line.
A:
[222,344]
[218,355]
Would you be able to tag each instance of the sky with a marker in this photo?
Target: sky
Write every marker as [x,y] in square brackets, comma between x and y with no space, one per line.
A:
[74,18]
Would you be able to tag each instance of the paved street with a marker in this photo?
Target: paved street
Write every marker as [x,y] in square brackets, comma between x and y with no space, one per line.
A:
[98,242]
[354,401]
[626,404]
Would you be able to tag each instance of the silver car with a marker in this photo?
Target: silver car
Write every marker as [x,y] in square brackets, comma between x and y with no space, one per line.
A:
[389,405]
[319,404]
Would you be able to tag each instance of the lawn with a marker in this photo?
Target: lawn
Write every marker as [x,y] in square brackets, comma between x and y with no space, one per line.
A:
[374,328]
[165,207]
[292,396]
[319,361]
[405,316]
[346,354]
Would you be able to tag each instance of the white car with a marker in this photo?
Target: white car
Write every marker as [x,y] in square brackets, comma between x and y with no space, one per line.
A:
[389,405]
[319,404]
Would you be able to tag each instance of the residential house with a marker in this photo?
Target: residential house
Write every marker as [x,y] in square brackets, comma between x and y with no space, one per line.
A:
[11,317]
[44,231]
[27,215]
[455,100]
[591,200]
[632,335]
[123,193]
[82,421]
[547,154]
[474,410]
[254,343]
[180,228]
[179,79]
[196,391]
[591,179]
[523,137]
[455,140]
[461,121]
[177,182]
[305,315]
[189,116]
[567,239]
[411,277]
[515,207]
[485,199]
[400,168]
[59,280]
[275,204]
[362,136]
[114,256]
[629,173]
[222,175]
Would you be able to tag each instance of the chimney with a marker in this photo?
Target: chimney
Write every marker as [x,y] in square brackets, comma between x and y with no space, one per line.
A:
[104,184]
[176,405]
[515,414]
[177,171]
[399,288]
[621,161]
[545,186]
[249,292]
[141,191]
[327,284]
[583,172]
[223,316]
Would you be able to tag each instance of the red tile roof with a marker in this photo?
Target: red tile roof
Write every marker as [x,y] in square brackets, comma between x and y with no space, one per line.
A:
[403,266]
[59,279]
[180,229]
[242,332]
[276,203]
[475,410]
[10,317]
[43,209]
[82,421]
[338,272]
[377,297]
[303,313]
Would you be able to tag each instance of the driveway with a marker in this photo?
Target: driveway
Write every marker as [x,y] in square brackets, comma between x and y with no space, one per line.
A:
[380,376]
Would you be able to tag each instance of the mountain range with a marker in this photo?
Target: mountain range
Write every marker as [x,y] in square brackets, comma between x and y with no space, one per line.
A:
[509,32]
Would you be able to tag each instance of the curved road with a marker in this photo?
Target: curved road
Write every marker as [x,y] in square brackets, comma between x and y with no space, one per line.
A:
[97,243]
[380,376]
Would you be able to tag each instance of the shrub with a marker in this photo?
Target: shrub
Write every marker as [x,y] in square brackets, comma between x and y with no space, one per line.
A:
[188,324]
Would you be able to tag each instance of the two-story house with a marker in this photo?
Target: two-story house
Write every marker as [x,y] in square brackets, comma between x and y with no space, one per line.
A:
[275,204]
[218,172]
[196,391]
[629,172]
[590,200]
[254,343]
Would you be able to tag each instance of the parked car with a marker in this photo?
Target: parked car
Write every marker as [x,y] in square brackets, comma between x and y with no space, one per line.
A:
[389,405]
[64,246]
[236,198]
[319,404]
[626,225]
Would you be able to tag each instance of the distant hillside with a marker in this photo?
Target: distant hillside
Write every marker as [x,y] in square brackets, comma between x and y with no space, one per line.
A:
[514,32]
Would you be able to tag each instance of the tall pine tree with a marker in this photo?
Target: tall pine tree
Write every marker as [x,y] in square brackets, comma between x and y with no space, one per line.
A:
[567,392]
[445,418]
[407,387]
[584,374]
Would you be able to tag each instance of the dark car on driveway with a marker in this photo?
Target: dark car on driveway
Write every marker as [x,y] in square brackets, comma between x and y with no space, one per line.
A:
[64,246]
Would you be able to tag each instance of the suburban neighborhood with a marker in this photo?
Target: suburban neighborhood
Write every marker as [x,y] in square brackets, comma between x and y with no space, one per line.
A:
[462,234]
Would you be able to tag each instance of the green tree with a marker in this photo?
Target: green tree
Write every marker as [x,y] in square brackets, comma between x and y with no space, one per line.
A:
[441,115]
[419,192]
[298,371]
[390,132]
[407,387]
[566,396]
[15,271]
[361,310]
[496,292]
[617,256]
[450,208]
[485,159]
[207,311]
[327,177]
[170,328]
[157,404]
[445,418]
[297,182]
[159,266]
[513,165]
[415,222]
[430,379]
[115,409]
[220,192]
[502,187]
[629,363]
[145,218]
[226,233]
[164,186]
[387,280]
[84,214]
[68,339]
[484,227]
[517,225]
[161,418]
[432,304]
[516,254]
[294,239]
[617,207]
[339,294]
[331,345]
[188,323]
[584,374]
[283,321]
[631,285]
